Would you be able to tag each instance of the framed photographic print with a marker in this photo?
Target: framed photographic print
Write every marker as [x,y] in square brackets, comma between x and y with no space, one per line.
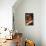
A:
[28,18]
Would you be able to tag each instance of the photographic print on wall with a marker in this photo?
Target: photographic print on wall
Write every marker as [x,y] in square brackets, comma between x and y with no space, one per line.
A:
[28,19]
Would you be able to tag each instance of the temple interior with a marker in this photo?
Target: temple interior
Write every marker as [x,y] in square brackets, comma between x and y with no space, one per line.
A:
[22,23]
